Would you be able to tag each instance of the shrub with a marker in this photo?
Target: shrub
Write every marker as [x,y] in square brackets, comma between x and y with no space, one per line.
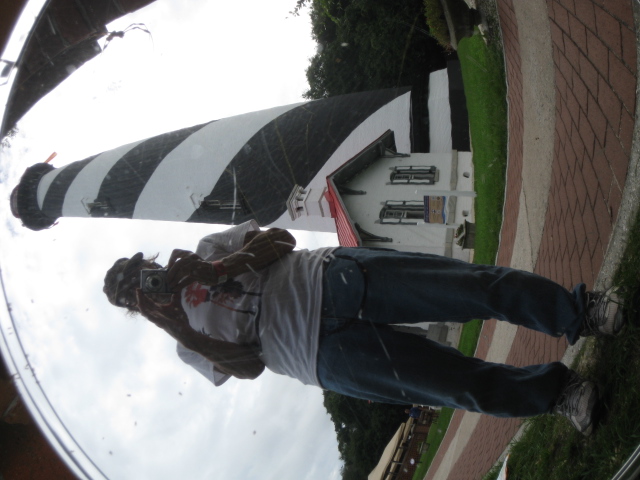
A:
[436,22]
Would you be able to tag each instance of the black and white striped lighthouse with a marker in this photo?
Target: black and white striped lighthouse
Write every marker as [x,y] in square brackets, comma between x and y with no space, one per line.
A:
[225,171]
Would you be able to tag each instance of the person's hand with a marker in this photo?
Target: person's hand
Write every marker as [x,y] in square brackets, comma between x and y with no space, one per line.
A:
[186,267]
[170,317]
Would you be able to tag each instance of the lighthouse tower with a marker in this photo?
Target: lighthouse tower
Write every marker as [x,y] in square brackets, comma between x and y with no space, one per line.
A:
[226,171]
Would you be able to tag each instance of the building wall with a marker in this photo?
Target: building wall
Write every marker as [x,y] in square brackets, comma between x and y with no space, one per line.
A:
[424,237]
[392,116]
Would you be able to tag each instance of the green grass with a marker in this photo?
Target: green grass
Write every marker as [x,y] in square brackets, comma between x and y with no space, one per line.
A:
[485,89]
[469,337]
[551,449]
[434,439]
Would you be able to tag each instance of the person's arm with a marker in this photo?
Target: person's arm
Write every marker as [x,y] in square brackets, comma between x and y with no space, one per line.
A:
[261,251]
[250,235]
[241,361]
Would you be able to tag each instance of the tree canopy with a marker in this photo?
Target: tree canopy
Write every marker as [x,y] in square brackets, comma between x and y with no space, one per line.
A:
[367,45]
[363,430]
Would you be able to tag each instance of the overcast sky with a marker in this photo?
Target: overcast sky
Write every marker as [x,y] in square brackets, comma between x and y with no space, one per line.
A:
[116,381]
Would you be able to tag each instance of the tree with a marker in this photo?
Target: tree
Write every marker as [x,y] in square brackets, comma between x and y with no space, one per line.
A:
[6,141]
[369,44]
[363,430]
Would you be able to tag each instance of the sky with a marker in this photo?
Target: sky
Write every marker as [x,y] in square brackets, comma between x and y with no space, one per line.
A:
[116,381]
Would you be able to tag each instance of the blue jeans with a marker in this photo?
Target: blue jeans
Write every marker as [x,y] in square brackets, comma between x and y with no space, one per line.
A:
[365,290]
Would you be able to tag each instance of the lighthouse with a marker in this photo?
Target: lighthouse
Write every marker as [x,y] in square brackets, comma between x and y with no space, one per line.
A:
[226,171]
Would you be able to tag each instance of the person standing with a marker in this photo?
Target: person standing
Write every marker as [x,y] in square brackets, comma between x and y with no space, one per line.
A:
[246,300]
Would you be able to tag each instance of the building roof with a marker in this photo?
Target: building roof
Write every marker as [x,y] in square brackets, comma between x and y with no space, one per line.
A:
[347,229]
[393,454]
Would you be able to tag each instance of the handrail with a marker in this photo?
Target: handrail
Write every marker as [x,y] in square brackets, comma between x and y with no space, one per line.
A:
[630,470]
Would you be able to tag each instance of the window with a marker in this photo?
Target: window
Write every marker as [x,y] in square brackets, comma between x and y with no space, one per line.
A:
[100,207]
[412,175]
[398,212]
[433,209]
[213,204]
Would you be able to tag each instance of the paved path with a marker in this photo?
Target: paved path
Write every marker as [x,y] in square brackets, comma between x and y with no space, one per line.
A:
[571,180]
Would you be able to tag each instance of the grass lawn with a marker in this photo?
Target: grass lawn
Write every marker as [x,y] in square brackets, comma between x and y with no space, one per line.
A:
[551,449]
[469,337]
[434,439]
[485,89]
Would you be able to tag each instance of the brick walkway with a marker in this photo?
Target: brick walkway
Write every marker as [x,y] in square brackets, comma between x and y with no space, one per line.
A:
[594,53]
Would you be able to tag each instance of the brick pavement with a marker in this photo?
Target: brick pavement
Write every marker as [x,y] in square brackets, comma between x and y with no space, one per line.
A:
[594,54]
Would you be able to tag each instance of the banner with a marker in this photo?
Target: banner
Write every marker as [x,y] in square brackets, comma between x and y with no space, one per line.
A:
[434,209]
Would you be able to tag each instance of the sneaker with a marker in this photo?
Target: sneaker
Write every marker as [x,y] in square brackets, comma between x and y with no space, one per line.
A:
[580,403]
[603,315]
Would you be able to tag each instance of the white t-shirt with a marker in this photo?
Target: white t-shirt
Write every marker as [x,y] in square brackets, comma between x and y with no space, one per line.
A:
[277,307]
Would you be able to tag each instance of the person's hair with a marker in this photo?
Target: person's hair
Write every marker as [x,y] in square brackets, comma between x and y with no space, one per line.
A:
[123,278]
